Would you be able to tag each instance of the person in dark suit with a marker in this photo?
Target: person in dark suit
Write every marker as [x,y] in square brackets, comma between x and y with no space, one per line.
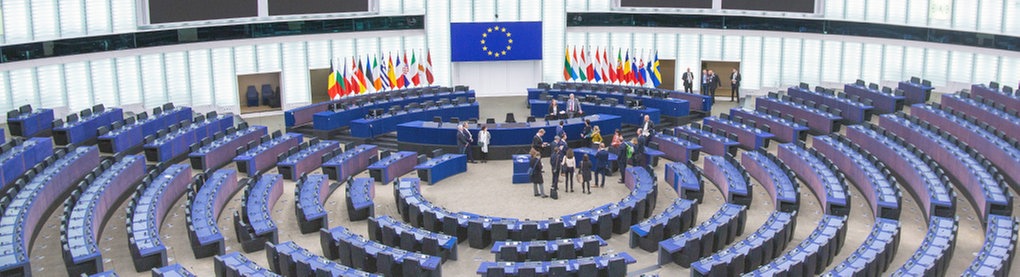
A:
[601,165]
[464,141]
[585,175]
[559,130]
[713,83]
[554,162]
[537,145]
[735,85]
[586,134]
[647,126]
[536,174]
[688,79]
[641,155]
[554,109]
[573,107]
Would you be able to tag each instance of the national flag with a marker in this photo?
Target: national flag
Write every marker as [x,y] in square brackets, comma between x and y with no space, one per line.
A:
[588,65]
[579,65]
[628,76]
[428,67]
[390,74]
[596,66]
[415,68]
[369,81]
[399,73]
[383,69]
[346,89]
[376,75]
[405,71]
[362,83]
[611,68]
[568,70]
[332,87]
[639,71]
[654,65]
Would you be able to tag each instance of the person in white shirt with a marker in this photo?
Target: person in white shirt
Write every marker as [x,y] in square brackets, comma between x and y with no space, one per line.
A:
[483,140]
[573,106]
[647,126]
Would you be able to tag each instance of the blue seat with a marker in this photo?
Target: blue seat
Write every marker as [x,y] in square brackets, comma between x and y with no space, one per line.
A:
[270,97]
[252,96]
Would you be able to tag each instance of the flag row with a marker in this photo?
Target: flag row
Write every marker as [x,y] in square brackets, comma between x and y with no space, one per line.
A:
[581,64]
[367,74]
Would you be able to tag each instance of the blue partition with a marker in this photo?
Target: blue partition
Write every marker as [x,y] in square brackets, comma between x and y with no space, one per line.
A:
[994,94]
[998,117]
[917,92]
[204,208]
[673,107]
[996,256]
[438,168]
[146,211]
[749,137]
[883,102]
[820,122]
[677,149]
[629,115]
[783,130]
[852,112]
[711,143]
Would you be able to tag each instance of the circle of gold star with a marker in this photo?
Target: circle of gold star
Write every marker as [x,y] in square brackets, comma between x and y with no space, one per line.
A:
[497,32]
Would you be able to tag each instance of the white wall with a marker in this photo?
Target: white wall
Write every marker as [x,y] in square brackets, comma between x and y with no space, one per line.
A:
[498,78]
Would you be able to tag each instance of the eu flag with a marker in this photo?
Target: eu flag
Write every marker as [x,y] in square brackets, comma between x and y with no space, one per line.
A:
[495,41]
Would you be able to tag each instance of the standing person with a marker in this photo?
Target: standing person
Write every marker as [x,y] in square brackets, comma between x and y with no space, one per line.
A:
[586,134]
[559,130]
[601,165]
[483,140]
[537,145]
[569,165]
[626,153]
[573,107]
[586,175]
[704,82]
[735,85]
[617,141]
[688,79]
[463,140]
[466,148]
[641,155]
[647,126]
[713,82]
[596,136]
[536,174]
[554,162]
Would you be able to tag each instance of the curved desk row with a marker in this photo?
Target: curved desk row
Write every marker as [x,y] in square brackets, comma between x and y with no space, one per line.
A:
[259,157]
[708,237]
[381,125]
[303,115]
[632,116]
[782,129]
[254,225]
[932,258]
[996,256]
[340,165]
[392,166]
[698,102]
[311,193]
[877,252]
[813,254]
[749,137]
[672,107]
[982,185]
[88,208]
[712,143]
[819,175]
[1003,154]
[396,233]
[985,111]
[920,92]
[871,177]
[918,177]
[330,120]
[84,130]
[289,259]
[213,154]
[205,204]
[235,264]
[1010,100]
[686,180]
[777,179]
[852,112]
[129,134]
[355,251]
[677,149]
[674,220]
[24,216]
[26,122]
[819,122]
[545,250]
[731,178]
[610,265]
[18,156]
[507,138]
[360,198]
[438,168]
[169,145]
[146,212]
[757,249]
[882,101]
[304,158]
[174,270]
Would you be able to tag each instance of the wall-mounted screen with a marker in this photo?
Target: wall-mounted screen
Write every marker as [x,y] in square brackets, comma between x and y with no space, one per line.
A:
[292,7]
[691,4]
[170,11]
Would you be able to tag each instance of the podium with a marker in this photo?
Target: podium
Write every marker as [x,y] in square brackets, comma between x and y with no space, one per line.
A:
[521,165]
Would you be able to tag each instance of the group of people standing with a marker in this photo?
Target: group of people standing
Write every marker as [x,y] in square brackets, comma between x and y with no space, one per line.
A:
[710,82]
[464,140]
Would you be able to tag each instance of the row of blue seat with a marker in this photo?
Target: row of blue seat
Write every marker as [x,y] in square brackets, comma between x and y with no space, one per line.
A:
[26,122]
[996,147]
[396,233]
[90,205]
[819,175]
[311,193]
[440,167]
[677,149]
[254,224]
[211,154]
[128,135]
[852,112]
[355,251]
[299,116]
[875,182]
[18,156]
[698,103]
[873,257]
[148,207]
[257,157]
[755,250]
[545,250]
[206,200]
[304,158]
[359,197]
[269,97]
[996,256]
[776,177]
[668,106]
[339,165]
[1010,101]
[340,117]
[813,254]
[108,273]
[974,176]
[708,237]
[936,251]
[674,220]
[782,127]
[746,132]
[610,265]
[289,259]
[174,270]
[986,111]
[730,177]
[84,130]
[170,144]
[712,143]
[234,264]
[918,176]
[686,179]
[884,101]
[374,126]
[633,115]
[819,122]
[26,209]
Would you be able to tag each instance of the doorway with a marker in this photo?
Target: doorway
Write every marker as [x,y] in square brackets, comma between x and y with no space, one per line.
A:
[667,68]
[724,69]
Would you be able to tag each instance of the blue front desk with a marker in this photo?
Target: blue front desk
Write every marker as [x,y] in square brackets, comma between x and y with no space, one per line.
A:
[540,108]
